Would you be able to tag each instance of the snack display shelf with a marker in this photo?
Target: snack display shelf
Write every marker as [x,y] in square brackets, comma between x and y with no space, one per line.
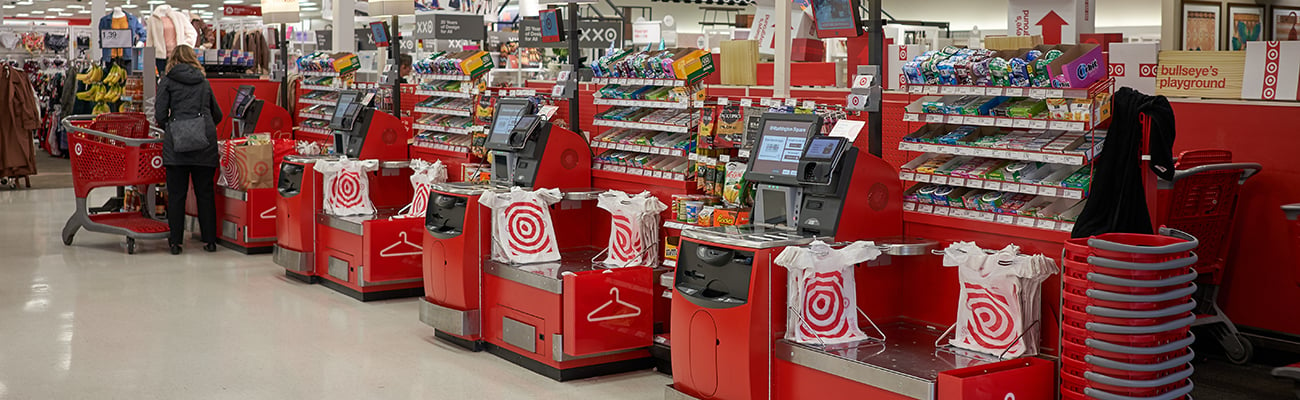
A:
[642,125]
[320,73]
[913,209]
[667,151]
[317,101]
[445,77]
[1033,92]
[641,175]
[317,131]
[1074,158]
[443,111]
[1013,187]
[450,149]
[913,114]
[638,81]
[443,129]
[320,87]
[444,93]
[680,105]
[304,114]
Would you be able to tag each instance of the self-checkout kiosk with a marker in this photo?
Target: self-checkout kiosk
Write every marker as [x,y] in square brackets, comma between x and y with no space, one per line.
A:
[253,115]
[368,257]
[566,320]
[730,302]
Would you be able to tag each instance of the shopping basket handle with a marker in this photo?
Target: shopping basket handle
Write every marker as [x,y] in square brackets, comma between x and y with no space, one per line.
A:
[1247,170]
[1292,211]
[1123,366]
[1171,395]
[1140,351]
[1134,266]
[1141,283]
[1140,384]
[1141,298]
[1131,314]
[1190,244]
[67,123]
[1141,330]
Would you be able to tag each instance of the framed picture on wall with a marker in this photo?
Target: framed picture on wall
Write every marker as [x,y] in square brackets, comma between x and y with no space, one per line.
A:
[1201,25]
[1285,24]
[1245,24]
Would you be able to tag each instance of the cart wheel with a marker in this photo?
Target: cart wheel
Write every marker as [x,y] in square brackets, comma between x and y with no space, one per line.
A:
[1244,351]
[130,246]
[67,239]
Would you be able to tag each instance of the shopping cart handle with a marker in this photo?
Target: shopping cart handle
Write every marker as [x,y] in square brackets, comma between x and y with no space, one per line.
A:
[1112,364]
[67,123]
[1131,314]
[1129,383]
[1142,283]
[1142,330]
[1135,266]
[1141,351]
[1247,170]
[1171,395]
[1190,244]
[1292,211]
[1141,298]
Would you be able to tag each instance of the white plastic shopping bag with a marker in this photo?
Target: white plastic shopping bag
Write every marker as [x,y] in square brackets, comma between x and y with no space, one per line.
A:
[347,188]
[422,180]
[522,230]
[634,228]
[998,307]
[821,292]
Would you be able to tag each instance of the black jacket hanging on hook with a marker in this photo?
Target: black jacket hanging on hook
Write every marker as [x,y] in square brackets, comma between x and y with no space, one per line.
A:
[1117,201]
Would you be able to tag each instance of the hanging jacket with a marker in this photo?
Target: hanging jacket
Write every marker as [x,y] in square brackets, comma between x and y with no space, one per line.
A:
[138,33]
[19,115]
[184,30]
[1117,201]
[255,43]
[181,95]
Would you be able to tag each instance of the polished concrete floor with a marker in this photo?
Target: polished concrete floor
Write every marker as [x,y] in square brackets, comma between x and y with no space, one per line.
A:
[91,322]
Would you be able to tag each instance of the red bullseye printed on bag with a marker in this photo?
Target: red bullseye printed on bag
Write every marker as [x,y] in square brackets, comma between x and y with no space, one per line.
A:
[347,189]
[822,295]
[634,228]
[522,230]
[999,305]
[422,181]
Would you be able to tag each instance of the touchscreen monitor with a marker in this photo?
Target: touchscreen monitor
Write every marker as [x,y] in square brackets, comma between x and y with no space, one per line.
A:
[243,98]
[507,115]
[781,141]
[837,18]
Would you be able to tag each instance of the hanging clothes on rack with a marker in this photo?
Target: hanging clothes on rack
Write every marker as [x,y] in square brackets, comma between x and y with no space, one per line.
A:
[19,115]
[169,28]
[255,43]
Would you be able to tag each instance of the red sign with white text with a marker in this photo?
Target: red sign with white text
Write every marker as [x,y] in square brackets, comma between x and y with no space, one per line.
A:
[232,10]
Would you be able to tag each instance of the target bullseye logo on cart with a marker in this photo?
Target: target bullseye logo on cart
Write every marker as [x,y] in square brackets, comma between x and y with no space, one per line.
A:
[527,224]
[347,189]
[156,162]
[991,324]
[627,245]
[824,306]
[77,148]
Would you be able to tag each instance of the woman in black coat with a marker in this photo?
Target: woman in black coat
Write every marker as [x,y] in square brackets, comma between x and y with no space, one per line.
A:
[184,93]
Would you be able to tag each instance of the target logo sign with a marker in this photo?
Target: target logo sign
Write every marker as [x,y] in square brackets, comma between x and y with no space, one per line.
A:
[1116,70]
[1272,56]
[77,149]
[346,190]
[991,324]
[625,244]
[1147,70]
[156,162]
[825,307]
[528,229]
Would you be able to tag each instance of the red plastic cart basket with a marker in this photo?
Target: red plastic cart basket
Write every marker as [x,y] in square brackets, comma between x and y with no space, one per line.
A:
[108,151]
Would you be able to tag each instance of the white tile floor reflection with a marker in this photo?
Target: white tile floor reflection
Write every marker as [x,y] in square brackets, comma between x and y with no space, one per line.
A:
[91,322]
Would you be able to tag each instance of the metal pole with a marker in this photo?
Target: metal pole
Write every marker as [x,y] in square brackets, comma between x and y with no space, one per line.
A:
[395,51]
[875,56]
[284,60]
[575,61]
[781,68]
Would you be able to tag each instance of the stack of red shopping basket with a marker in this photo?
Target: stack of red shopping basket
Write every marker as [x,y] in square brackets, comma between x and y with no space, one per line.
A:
[1126,314]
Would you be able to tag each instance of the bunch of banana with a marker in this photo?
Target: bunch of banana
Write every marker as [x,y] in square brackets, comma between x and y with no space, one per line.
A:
[92,94]
[91,76]
[115,75]
[111,95]
[100,108]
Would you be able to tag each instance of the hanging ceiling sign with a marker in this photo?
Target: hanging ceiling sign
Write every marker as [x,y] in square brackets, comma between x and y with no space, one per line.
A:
[424,27]
[459,27]
[236,10]
[596,34]
[324,40]
[365,39]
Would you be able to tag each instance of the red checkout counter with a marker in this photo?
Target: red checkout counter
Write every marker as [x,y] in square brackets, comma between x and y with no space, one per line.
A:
[367,257]
[568,319]
[247,217]
[729,309]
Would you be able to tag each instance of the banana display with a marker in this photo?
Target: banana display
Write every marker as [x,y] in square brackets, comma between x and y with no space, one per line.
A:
[104,89]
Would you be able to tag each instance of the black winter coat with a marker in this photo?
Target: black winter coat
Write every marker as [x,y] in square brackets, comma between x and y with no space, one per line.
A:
[185,93]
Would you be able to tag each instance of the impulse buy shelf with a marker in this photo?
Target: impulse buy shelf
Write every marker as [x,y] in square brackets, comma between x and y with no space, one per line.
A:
[1037,93]
[440,146]
[642,125]
[443,129]
[1082,158]
[681,105]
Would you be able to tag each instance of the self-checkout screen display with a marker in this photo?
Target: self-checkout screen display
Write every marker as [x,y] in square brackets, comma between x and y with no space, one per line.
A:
[507,116]
[780,146]
[836,18]
[243,98]
[822,149]
[344,110]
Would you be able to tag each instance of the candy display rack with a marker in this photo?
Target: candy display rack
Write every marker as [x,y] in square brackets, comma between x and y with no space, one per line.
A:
[318,92]
[449,88]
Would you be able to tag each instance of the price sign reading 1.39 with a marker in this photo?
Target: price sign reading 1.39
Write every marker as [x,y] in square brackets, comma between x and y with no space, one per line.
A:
[114,38]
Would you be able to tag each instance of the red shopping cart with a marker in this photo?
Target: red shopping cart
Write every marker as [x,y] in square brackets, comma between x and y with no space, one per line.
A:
[1293,220]
[113,150]
[1202,200]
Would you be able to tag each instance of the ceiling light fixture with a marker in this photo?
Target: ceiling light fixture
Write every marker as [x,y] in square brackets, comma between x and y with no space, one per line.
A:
[38,12]
[9,6]
[129,5]
[65,14]
[77,6]
[233,2]
[201,5]
[83,12]
[24,3]
[54,9]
